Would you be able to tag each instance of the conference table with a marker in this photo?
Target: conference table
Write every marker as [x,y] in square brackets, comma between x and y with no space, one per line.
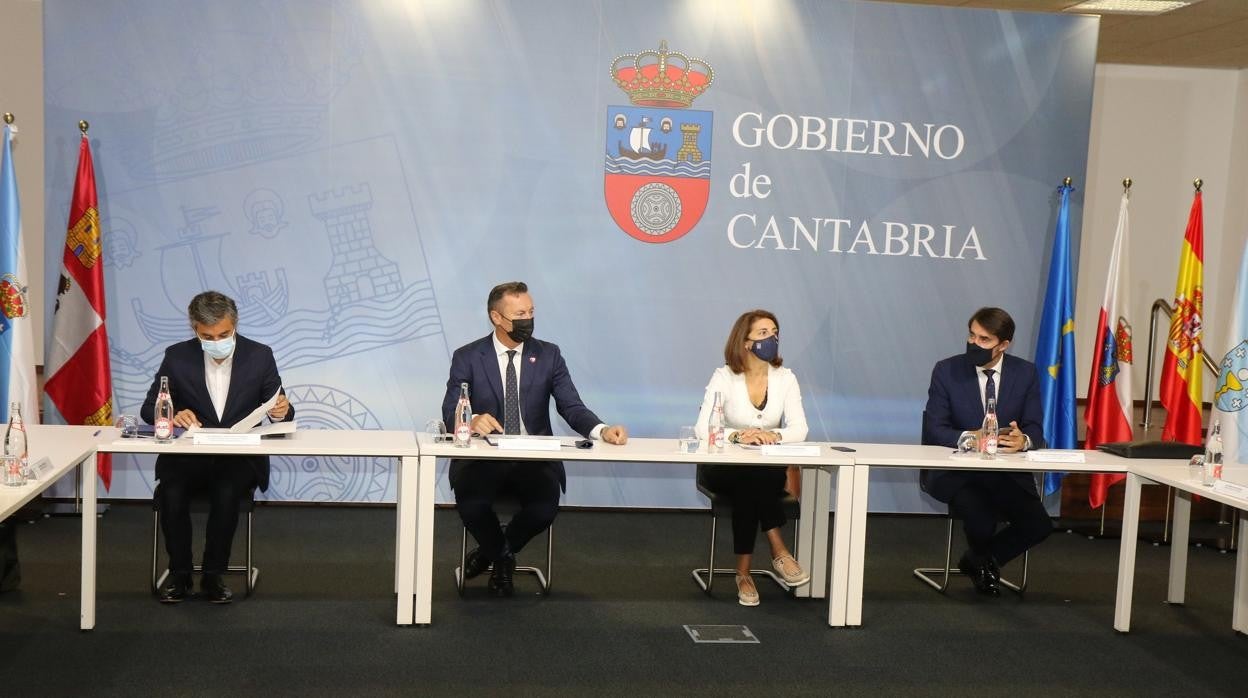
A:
[414,513]
[64,448]
[1176,475]
[820,473]
[868,455]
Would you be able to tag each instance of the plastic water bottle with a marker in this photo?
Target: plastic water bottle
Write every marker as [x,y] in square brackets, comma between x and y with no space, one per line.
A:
[15,439]
[164,413]
[1213,456]
[463,418]
[715,427]
[990,429]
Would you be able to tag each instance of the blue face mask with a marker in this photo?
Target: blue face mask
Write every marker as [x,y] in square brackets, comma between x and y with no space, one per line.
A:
[218,349]
[767,349]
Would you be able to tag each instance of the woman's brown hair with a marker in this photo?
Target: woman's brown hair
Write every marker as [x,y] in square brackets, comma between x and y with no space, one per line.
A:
[734,349]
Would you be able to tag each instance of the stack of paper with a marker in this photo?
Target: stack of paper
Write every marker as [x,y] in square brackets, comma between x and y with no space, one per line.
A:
[1053,455]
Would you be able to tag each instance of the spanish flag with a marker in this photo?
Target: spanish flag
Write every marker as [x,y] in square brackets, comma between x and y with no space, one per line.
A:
[1180,370]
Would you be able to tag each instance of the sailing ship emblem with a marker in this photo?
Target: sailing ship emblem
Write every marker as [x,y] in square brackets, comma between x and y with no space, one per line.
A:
[657,176]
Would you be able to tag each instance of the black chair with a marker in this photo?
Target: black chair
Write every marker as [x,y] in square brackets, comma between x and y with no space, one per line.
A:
[509,506]
[720,506]
[200,505]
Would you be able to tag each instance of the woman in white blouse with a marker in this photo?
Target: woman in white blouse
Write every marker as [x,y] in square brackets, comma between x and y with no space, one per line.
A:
[762,405]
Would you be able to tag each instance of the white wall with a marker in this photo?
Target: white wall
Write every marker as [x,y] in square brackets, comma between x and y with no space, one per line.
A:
[21,92]
[1163,127]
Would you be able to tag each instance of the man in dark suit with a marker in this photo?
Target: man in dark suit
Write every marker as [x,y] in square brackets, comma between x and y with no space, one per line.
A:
[215,379]
[961,386]
[511,379]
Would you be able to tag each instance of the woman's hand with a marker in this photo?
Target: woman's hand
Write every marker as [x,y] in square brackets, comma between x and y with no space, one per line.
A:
[757,436]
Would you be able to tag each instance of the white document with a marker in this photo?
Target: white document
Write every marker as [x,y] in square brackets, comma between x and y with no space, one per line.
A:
[257,415]
[527,443]
[223,437]
[798,449]
[1054,455]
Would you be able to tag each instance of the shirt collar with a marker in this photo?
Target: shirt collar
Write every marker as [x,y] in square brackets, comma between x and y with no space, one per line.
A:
[501,349]
[997,369]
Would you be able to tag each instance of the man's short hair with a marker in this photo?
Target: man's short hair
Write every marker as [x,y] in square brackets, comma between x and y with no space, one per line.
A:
[510,288]
[211,307]
[995,321]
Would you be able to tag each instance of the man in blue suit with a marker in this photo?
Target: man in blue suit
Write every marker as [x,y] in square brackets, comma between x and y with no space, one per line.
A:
[215,379]
[956,399]
[511,379]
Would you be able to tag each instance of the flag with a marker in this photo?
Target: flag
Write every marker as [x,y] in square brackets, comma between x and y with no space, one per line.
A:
[1180,369]
[17,340]
[79,380]
[1109,410]
[1055,347]
[1230,397]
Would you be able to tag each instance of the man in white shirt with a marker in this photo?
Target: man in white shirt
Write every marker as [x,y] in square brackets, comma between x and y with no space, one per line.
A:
[512,378]
[215,379]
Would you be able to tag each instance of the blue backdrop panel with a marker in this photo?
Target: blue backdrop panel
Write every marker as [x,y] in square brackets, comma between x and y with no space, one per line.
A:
[359,174]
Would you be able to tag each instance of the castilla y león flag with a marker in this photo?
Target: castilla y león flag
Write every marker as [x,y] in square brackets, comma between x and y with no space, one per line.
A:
[79,382]
[1180,370]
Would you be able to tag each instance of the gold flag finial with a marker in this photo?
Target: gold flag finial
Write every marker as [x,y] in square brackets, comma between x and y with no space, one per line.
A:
[83,126]
[9,118]
[1126,184]
[1198,183]
[1067,181]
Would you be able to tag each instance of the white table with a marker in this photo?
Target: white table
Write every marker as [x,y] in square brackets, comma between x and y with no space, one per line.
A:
[1175,474]
[819,473]
[414,506]
[64,446]
[939,458]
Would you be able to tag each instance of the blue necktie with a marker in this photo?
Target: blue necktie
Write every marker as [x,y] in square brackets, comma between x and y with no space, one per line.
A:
[511,398]
[990,388]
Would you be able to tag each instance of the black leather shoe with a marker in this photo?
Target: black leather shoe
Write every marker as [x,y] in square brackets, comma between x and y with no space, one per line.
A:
[176,589]
[475,563]
[501,576]
[981,574]
[213,588]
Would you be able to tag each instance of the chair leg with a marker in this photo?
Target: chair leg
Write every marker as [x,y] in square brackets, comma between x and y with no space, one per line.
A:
[708,571]
[924,573]
[463,561]
[156,580]
[1021,586]
[252,573]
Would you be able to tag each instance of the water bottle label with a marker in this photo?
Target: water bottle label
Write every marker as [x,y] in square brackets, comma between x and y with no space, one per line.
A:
[164,428]
[463,433]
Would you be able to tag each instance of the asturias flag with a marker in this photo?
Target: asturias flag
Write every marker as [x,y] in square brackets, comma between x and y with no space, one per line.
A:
[1230,398]
[1109,411]
[17,341]
[80,381]
[1055,347]
[1180,369]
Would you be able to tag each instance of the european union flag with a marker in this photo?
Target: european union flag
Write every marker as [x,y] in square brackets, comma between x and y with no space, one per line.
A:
[1055,347]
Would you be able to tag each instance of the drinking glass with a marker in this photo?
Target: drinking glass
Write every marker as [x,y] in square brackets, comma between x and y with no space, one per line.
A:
[1196,467]
[11,471]
[437,429]
[968,443]
[688,440]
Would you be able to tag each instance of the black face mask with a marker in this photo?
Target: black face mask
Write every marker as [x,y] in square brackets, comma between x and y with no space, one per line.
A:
[977,354]
[521,330]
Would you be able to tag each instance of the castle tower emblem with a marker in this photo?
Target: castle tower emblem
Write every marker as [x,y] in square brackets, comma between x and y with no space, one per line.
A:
[358,271]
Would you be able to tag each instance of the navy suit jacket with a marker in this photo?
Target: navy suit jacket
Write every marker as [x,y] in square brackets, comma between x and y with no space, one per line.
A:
[253,378]
[544,375]
[954,406]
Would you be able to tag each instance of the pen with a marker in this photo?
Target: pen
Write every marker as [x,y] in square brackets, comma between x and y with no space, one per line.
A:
[97,432]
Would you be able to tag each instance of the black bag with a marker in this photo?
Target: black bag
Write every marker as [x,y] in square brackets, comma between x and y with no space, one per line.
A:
[1152,449]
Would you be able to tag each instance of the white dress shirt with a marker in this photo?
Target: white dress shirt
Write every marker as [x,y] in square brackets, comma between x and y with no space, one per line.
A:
[501,350]
[217,377]
[983,394]
[783,411]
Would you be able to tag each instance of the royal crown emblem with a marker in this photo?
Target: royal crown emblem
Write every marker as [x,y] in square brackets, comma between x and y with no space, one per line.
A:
[658,151]
[662,78]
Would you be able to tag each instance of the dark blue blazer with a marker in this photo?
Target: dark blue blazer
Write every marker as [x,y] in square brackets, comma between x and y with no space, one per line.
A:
[954,406]
[544,375]
[253,378]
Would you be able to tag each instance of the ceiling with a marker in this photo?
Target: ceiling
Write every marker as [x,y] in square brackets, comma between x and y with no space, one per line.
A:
[1211,33]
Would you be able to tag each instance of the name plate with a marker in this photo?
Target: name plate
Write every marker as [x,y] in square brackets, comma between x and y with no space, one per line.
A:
[224,438]
[1053,455]
[1230,488]
[800,450]
[40,468]
[527,444]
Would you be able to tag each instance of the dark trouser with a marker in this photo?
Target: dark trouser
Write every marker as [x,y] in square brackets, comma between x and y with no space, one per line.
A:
[10,569]
[756,493]
[225,482]
[478,484]
[988,498]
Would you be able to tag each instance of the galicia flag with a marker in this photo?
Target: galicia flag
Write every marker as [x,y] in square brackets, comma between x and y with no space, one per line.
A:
[1109,410]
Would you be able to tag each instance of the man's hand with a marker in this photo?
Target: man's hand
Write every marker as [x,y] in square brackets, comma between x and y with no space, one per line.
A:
[278,413]
[485,423]
[1011,439]
[617,435]
[186,419]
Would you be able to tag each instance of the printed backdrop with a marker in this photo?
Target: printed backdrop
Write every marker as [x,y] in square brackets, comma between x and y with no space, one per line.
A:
[359,174]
